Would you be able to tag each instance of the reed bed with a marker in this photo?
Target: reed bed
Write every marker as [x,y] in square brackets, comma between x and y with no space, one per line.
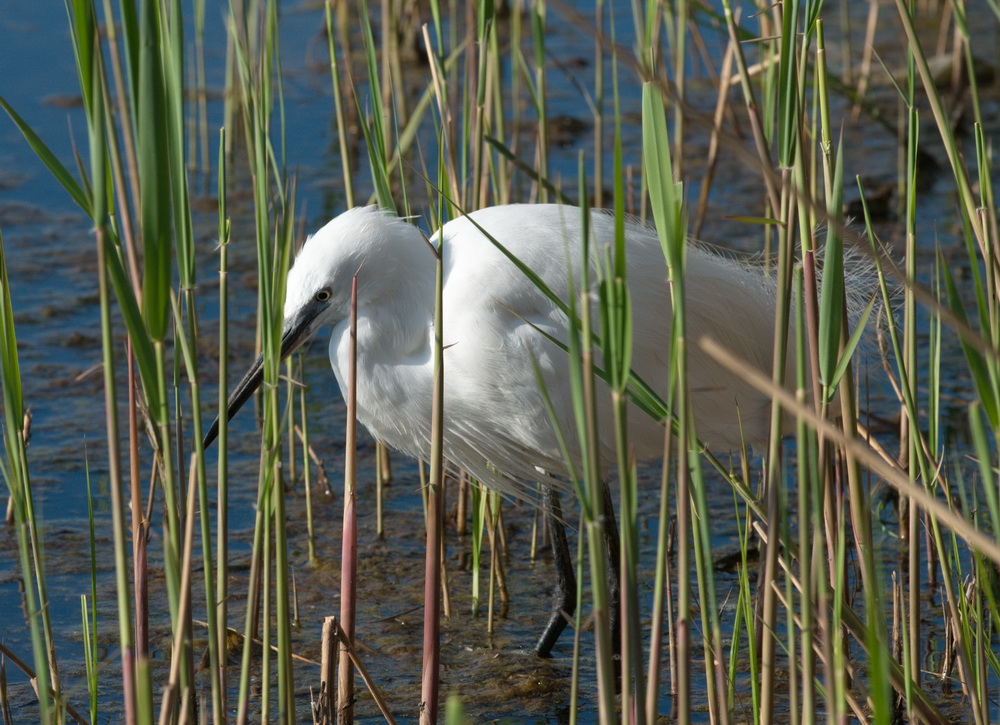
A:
[862,576]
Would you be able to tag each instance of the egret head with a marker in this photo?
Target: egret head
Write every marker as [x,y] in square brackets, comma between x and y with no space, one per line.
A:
[318,289]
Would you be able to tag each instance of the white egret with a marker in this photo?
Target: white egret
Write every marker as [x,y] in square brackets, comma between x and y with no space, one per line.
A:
[495,324]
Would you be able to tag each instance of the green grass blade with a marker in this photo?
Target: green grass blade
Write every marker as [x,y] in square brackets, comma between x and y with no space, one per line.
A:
[45,155]
[154,172]
[852,344]
[974,359]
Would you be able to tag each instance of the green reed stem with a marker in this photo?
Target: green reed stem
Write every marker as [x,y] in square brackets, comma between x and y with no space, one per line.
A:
[349,538]
[222,481]
[26,523]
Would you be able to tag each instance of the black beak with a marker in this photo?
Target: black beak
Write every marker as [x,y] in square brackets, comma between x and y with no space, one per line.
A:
[297,331]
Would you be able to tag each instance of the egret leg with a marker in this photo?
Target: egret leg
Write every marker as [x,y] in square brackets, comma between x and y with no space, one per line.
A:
[612,544]
[565,597]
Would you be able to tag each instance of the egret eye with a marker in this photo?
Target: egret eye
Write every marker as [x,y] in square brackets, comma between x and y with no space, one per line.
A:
[323,295]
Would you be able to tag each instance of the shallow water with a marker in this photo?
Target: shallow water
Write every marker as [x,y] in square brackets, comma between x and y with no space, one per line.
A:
[50,255]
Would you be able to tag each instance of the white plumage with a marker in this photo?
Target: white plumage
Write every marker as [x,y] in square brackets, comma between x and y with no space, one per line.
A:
[495,419]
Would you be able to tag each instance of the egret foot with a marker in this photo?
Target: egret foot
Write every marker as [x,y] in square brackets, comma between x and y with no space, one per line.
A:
[565,597]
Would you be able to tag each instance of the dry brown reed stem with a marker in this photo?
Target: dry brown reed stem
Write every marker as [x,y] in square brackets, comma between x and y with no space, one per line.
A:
[860,711]
[443,562]
[461,503]
[349,547]
[494,571]
[447,122]
[384,461]
[494,530]
[334,636]
[865,71]
[379,493]
[321,477]
[292,400]
[891,473]
[502,532]
[238,637]
[307,481]
[925,711]
[445,590]
[9,654]
[323,714]
[172,694]
[736,150]
[713,144]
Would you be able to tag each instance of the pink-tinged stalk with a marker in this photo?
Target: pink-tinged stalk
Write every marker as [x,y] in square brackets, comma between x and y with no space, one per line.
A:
[432,599]
[435,517]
